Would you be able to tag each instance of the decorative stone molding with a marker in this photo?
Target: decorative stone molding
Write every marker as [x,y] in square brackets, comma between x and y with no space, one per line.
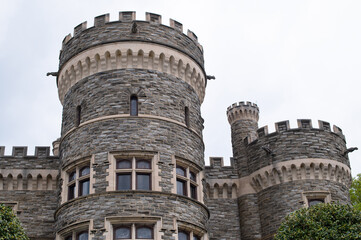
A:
[131,55]
[242,111]
[283,172]
[28,179]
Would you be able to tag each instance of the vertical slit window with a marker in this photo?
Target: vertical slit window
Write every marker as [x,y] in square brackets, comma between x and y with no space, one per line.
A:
[186,116]
[78,116]
[133,105]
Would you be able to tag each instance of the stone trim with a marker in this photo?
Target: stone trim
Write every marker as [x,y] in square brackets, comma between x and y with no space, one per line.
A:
[282,172]
[325,195]
[155,178]
[118,220]
[190,228]
[187,165]
[74,228]
[28,179]
[76,164]
[130,55]
[146,116]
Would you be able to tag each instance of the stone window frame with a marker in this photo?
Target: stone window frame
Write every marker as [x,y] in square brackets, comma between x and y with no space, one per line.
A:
[13,205]
[153,157]
[112,222]
[191,230]
[133,105]
[189,167]
[75,229]
[77,165]
[313,195]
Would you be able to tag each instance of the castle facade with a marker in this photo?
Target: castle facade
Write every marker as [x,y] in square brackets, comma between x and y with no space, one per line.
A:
[130,160]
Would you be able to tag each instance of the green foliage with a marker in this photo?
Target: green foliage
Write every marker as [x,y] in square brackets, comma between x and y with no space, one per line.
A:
[355,192]
[322,221]
[10,228]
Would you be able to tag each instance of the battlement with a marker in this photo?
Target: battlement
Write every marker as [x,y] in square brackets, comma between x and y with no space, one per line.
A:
[22,151]
[130,17]
[284,126]
[242,111]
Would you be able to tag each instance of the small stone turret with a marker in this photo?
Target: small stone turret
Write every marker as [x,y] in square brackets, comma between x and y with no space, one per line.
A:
[243,118]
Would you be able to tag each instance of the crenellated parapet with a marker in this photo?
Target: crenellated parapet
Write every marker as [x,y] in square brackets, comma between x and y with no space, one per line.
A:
[131,44]
[242,111]
[22,151]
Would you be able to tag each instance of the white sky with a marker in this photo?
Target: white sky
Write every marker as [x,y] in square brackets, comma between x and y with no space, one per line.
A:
[295,59]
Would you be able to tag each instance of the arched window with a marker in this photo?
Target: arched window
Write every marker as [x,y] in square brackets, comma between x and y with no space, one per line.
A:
[133,105]
[186,116]
[78,116]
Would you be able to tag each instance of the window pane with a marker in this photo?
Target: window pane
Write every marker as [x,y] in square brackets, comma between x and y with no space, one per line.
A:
[193,191]
[182,236]
[124,164]
[181,171]
[313,202]
[84,171]
[193,176]
[72,176]
[124,181]
[144,233]
[181,188]
[71,191]
[143,164]
[83,236]
[195,237]
[133,105]
[84,187]
[143,181]
[122,233]
[69,238]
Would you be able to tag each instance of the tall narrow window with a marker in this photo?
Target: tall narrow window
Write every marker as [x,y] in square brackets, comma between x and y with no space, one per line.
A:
[78,181]
[186,116]
[133,105]
[78,116]
[186,181]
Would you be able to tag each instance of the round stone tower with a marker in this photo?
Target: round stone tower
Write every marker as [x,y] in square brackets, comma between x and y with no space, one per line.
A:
[286,170]
[131,146]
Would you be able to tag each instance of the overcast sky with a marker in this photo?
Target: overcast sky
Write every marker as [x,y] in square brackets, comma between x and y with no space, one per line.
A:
[295,59]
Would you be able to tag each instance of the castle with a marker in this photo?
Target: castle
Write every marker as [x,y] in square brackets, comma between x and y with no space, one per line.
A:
[130,160]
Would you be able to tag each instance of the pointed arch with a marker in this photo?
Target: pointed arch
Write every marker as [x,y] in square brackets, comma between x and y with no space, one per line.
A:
[108,64]
[215,191]
[10,182]
[19,180]
[118,59]
[80,73]
[87,67]
[39,182]
[294,172]
[97,63]
[151,60]
[140,62]
[161,62]
[171,65]
[180,68]
[29,182]
[234,190]
[49,182]
[225,191]
[303,171]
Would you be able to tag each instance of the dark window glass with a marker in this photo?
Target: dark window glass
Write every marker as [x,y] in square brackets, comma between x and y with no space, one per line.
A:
[84,187]
[72,176]
[143,181]
[144,233]
[122,233]
[143,164]
[78,116]
[193,191]
[181,187]
[186,116]
[124,164]
[71,191]
[183,236]
[133,105]
[193,176]
[195,237]
[313,202]
[84,171]
[69,238]
[124,181]
[181,171]
[82,236]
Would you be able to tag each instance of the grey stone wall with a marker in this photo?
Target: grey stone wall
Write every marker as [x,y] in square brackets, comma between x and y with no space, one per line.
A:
[250,225]
[224,219]
[121,31]
[133,203]
[36,211]
[296,144]
[278,201]
[108,93]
